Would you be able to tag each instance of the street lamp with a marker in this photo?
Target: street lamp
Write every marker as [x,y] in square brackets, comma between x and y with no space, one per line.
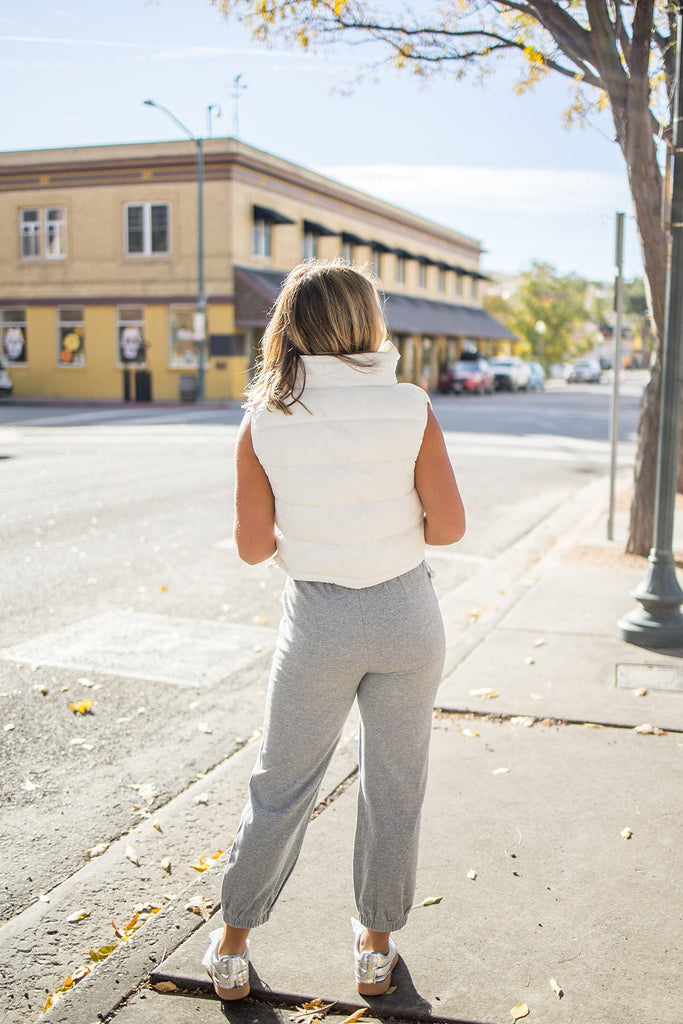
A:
[200,318]
[659,622]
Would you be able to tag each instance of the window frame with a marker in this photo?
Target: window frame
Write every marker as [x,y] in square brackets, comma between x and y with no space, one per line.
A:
[400,270]
[60,254]
[309,245]
[147,207]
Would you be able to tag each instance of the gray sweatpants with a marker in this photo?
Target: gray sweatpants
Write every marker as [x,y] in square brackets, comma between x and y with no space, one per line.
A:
[384,647]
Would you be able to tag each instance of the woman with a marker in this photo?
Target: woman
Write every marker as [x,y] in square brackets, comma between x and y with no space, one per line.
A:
[342,475]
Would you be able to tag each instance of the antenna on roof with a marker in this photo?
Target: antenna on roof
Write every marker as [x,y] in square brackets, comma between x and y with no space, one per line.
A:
[237,89]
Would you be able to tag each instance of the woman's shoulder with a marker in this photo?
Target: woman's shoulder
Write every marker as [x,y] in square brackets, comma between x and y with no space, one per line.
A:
[414,395]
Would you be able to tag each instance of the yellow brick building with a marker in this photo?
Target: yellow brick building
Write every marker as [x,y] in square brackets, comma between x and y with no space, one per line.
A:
[99,267]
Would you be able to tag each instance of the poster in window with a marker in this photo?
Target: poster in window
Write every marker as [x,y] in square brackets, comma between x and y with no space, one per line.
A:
[183,346]
[14,344]
[72,345]
[131,345]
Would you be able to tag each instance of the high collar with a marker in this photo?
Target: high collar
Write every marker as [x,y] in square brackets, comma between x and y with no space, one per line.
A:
[371,368]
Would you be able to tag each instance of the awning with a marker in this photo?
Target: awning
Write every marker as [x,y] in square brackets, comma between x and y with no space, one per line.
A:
[407,315]
[257,290]
[271,216]
[313,228]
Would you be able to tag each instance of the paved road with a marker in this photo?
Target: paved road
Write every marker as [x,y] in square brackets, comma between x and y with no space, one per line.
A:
[119,584]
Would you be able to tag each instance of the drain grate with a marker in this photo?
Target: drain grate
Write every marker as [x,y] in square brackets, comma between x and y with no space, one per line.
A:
[668,678]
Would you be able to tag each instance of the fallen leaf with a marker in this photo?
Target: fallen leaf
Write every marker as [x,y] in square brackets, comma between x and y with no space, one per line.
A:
[44,898]
[468,732]
[202,799]
[649,730]
[485,694]
[557,989]
[78,915]
[82,708]
[98,850]
[157,826]
[526,720]
[311,1011]
[519,1011]
[474,614]
[97,955]
[529,661]
[205,727]
[500,771]
[165,986]
[10,727]
[260,620]
[626,833]
[357,1015]
[201,909]
[641,693]
[428,901]
[84,681]
[539,643]
[165,865]
[472,874]
[201,864]
[131,855]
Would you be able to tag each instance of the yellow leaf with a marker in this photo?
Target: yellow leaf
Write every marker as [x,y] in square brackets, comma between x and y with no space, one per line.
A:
[519,1011]
[627,833]
[485,694]
[428,901]
[82,708]
[102,953]
[201,865]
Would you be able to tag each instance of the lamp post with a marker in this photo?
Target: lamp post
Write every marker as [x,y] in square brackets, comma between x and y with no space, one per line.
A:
[200,317]
[659,622]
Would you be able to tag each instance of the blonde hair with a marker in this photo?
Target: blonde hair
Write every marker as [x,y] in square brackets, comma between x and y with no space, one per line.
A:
[326,307]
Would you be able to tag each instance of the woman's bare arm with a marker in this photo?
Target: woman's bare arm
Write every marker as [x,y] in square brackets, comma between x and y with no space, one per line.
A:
[254,529]
[437,487]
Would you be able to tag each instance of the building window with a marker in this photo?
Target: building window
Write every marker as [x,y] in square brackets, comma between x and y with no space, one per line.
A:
[71,337]
[422,275]
[458,284]
[400,270]
[442,279]
[375,261]
[30,234]
[310,247]
[475,288]
[14,339]
[130,336]
[147,229]
[182,345]
[55,233]
[42,233]
[262,238]
[347,252]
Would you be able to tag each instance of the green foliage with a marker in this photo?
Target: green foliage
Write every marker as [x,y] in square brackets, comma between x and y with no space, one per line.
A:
[547,313]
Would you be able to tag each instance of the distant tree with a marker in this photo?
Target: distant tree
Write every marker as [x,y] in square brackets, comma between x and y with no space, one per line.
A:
[616,54]
[548,312]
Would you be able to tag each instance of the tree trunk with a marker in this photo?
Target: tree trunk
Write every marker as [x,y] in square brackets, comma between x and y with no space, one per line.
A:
[635,138]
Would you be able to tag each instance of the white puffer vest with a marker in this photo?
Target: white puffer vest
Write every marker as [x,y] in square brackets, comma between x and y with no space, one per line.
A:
[343,472]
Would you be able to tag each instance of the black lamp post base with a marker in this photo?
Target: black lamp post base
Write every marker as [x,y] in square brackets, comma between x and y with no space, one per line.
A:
[661,630]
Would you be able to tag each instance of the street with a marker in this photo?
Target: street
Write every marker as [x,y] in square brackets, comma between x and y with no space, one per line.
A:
[120,585]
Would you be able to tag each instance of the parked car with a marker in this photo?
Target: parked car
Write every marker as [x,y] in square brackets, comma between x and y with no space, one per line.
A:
[583,371]
[536,377]
[473,375]
[5,382]
[510,373]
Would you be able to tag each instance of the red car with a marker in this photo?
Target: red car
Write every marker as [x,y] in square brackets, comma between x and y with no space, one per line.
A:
[472,375]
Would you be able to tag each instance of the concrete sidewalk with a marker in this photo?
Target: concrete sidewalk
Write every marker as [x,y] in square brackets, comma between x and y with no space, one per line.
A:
[552,830]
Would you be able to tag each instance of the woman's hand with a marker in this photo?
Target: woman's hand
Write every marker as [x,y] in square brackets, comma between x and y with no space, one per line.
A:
[437,487]
[254,529]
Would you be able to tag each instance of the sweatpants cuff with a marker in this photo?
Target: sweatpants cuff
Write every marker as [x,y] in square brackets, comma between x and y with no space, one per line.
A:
[243,922]
[374,924]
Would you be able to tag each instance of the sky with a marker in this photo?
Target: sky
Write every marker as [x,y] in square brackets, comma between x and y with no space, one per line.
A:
[473,156]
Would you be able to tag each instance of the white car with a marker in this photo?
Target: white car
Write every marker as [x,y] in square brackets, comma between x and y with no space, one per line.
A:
[584,371]
[510,373]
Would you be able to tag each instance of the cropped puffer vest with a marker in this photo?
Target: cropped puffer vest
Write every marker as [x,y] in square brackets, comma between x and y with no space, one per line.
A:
[342,469]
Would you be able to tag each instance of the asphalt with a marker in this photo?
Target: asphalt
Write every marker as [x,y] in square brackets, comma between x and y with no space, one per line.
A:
[550,856]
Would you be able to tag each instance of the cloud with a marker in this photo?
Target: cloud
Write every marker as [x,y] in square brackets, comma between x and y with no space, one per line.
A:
[511,190]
